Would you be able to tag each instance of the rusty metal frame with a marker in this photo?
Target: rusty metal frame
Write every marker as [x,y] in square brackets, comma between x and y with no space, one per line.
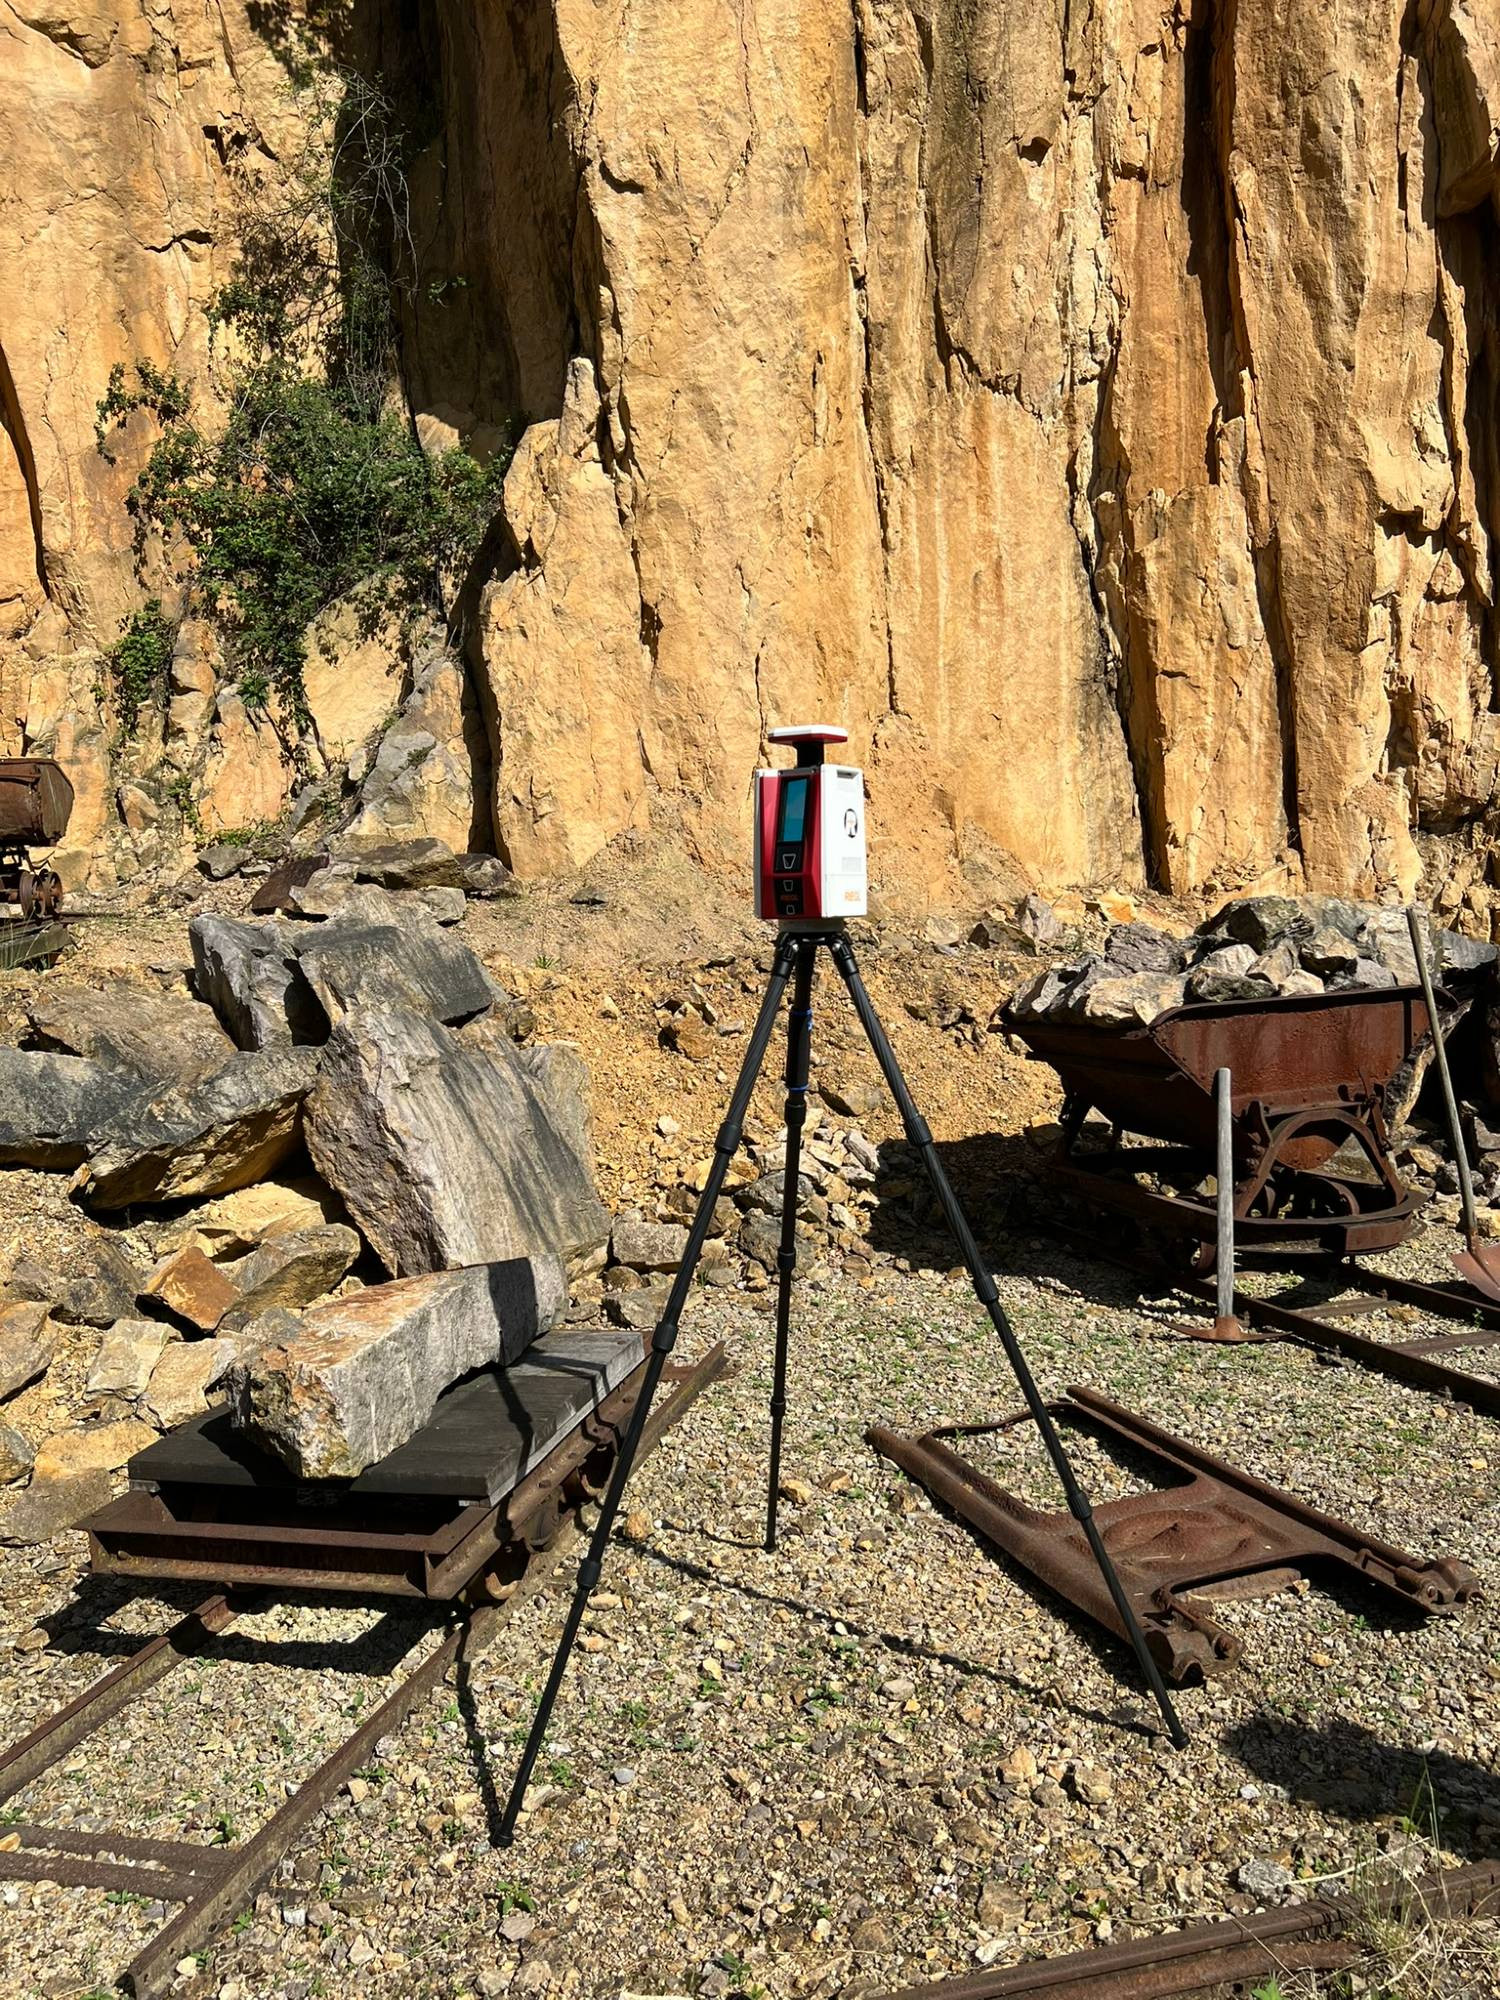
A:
[1311,1936]
[534,1526]
[1211,1531]
[372,1547]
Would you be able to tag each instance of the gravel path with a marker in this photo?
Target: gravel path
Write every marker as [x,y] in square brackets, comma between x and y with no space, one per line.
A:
[878,1756]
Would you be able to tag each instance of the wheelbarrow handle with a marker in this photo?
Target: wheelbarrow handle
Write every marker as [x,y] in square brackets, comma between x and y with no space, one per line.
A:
[1460,1151]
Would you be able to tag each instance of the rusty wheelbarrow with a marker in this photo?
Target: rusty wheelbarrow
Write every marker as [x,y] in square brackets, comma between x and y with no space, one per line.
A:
[1311,1073]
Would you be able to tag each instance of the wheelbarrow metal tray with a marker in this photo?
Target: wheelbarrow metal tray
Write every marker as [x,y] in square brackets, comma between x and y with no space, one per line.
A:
[1309,1073]
[1292,1053]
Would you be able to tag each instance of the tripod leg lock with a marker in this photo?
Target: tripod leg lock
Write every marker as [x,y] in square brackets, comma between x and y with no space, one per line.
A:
[589,1573]
[665,1337]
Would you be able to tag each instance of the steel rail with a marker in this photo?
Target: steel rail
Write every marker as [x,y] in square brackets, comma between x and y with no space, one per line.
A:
[42,1746]
[209,1883]
[1408,1361]
[1309,1935]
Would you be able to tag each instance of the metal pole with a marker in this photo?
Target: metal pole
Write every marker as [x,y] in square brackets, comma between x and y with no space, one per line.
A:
[798,1066]
[1440,1055]
[1224,1195]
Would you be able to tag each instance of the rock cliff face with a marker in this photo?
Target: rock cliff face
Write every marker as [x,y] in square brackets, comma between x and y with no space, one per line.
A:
[1092,405]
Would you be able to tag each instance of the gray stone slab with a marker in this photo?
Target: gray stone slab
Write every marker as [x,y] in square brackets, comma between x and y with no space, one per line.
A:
[485,1435]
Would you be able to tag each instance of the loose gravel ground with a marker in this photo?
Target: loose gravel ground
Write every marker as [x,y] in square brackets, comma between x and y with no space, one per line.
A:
[879,1756]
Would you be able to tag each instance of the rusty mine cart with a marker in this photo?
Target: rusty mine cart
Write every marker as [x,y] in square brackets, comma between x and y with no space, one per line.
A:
[1311,1074]
[35,803]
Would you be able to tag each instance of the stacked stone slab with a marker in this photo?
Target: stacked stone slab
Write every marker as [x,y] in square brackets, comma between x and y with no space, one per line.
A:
[1257,948]
[340,1387]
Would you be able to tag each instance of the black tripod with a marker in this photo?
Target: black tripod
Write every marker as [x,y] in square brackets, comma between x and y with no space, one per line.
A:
[796,953]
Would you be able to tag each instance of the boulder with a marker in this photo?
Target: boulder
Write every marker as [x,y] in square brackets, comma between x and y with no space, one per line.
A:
[233,1128]
[1036,919]
[1229,961]
[16,1454]
[410,864]
[1261,921]
[131,1027]
[180,1381]
[92,1448]
[26,1348]
[1207,986]
[94,1286]
[454,1149]
[48,1506]
[403,962]
[274,892]
[223,859]
[1330,953]
[127,1354]
[338,891]
[362,1374]
[192,1288]
[1371,973]
[233,1224]
[1141,948]
[248,974]
[293,1268]
[1131,1001]
[1045,992]
[648,1246]
[420,781]
[53,1108]
[486,878]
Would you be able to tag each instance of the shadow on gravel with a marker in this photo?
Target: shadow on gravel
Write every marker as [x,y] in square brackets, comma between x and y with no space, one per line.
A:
[79,1627]
[1343,1768]
[985,1170]
[911,1649]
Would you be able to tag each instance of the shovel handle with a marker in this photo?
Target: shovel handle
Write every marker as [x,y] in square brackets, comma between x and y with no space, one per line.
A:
[1460,1152]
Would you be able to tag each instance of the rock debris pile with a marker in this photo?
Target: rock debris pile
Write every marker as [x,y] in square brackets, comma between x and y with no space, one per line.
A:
[453,1198]
[1255,949]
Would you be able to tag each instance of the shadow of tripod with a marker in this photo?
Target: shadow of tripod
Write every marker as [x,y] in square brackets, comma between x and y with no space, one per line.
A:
[797,948]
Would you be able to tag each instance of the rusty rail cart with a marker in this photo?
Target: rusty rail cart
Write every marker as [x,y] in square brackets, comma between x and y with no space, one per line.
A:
[1210,1531]
[1229,1957]
[473,1513]
[36,802]
[1311,1074]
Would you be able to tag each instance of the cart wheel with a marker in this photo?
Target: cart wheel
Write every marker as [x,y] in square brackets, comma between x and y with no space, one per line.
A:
[1320,1199]
[26,892]
[49,893]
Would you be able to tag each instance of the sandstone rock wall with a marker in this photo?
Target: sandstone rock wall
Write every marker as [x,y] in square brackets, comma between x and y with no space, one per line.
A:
[1092,404]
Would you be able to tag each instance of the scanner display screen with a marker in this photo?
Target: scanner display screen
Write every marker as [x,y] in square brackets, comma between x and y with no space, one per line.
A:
[793,809]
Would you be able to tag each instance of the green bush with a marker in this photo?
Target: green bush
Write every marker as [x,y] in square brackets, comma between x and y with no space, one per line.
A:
[303,484]
[140,658]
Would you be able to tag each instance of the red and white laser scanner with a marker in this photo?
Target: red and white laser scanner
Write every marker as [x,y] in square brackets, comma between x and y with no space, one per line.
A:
[810,861]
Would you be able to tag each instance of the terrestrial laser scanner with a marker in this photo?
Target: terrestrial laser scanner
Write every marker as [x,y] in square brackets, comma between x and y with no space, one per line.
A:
[810,861]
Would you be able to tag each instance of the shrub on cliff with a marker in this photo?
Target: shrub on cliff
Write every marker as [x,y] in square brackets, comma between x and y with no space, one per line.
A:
[301,481]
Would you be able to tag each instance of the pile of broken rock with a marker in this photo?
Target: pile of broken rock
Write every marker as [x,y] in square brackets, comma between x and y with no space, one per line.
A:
[452,1200]
[1253,949]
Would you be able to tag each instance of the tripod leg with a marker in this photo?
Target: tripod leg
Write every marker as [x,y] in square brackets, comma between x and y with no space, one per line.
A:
[662,1342]
[918,1132]
[798,1058]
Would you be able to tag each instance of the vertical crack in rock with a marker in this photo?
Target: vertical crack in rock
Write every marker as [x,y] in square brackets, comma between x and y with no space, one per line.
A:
[1220,26]
[13,424]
